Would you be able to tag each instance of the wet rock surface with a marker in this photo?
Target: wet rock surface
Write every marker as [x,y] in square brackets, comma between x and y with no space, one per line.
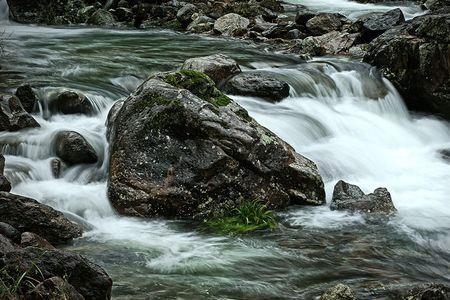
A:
[186,150]
[13,116]
[70,102]
[218,67]
[73,148]
[43,265]
[26,214]
[258,84]
[415,57]
[350,197]
[27,97]
[339,292]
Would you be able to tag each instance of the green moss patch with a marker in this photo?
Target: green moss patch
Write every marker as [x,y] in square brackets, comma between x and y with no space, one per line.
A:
[249,216]
[199,84]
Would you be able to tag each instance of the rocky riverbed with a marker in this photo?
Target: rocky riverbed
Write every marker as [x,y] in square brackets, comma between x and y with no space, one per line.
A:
[196,128]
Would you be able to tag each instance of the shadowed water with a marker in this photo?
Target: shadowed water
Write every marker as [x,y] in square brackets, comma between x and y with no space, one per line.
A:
[352,123]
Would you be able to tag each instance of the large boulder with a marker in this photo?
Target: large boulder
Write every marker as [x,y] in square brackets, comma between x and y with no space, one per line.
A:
[88,279]
[218,67]
[27,214]
[13,116]
[374,24]
[69,102]
[231,25]
[184,14]
[324,23]
[73,148]
[258,84]
[27,97]
[339,292]
[45,11]
[334,42]
[415,57]
[180,148]
[102,17]
[350,197]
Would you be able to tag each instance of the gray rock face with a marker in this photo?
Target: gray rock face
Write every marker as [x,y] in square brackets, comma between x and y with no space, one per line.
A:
[231,25]
[102,17]
[258,84]
[339,292]
[184,14]
[89,280]
[334,42]
[324,23]
[195,153]
[375,24]
[55,286]
[350,197]
[415,57]
[27,97]
[218,67]
[13,116]
[70,102]
[112,114]
[73,148]
[431,291]
[27,214]
[10,232]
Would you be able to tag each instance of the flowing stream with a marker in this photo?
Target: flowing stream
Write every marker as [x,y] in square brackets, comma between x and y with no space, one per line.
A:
[340,114]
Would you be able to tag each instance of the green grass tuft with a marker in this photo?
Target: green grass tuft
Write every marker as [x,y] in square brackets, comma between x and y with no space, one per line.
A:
[249,216]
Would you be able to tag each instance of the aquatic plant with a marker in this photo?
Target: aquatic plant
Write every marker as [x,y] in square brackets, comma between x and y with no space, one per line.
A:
[251,215]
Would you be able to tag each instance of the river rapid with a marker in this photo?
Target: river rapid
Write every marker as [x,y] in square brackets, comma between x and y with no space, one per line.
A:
[340,114]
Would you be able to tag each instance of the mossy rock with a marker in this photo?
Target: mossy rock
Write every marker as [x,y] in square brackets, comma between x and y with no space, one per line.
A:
[199,84]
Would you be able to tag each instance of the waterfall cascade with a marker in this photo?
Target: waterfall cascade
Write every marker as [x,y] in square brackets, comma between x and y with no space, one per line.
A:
[4,11]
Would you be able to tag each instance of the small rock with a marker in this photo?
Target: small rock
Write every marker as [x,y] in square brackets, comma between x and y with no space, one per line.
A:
[201,24]
[70,102]
[27,97]
[218,67]
[339,292]
[324,23]
[29,239]
[231,25]
[6,245]
[13,116]
[350,197]
[56,165]
[73,148]
[184,14]
[102,17]
[258,84]
[10,232]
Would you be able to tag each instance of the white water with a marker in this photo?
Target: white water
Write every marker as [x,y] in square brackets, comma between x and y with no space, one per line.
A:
[353,9]
[4,12]
[333,117]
